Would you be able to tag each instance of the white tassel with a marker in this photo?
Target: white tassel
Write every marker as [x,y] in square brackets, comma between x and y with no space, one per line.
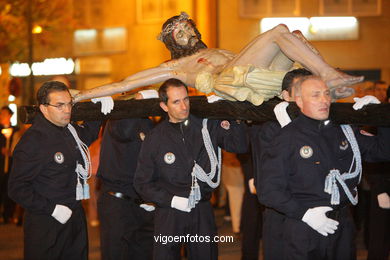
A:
[331,187]
[197,192]
[335,198]
[328,183]
[334,175]
[79,190]
[199,173]
[82,191]
[86,190]
[191,198]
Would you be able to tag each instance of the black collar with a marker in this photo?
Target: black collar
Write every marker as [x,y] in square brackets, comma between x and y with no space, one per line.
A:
[314,124]
[180,126]
[39,119]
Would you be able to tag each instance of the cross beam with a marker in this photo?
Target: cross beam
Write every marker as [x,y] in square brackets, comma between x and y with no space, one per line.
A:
[341,113]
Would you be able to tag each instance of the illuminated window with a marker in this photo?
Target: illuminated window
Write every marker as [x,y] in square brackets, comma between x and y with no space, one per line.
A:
[19,70]
[317,28]
[53,67]
[57,66]
[99,41]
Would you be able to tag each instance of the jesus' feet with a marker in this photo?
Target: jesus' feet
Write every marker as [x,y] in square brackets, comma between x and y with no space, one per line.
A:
[338,79]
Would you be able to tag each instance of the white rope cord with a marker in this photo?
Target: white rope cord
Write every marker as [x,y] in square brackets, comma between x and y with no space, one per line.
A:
[82,191]
[334,175]
[199,173]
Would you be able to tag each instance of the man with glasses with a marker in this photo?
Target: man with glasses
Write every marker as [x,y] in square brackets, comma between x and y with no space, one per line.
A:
[49,178]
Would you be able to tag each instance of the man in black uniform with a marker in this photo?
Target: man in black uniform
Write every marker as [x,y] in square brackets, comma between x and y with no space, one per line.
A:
[251,213]
[178,169]
[310,174]
[126,230]
[379,213]
[261,138]
[48,178]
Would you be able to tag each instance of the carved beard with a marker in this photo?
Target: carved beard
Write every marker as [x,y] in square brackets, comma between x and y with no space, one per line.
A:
[178,51]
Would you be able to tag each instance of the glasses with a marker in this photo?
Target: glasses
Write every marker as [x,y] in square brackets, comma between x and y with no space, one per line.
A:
[61,106]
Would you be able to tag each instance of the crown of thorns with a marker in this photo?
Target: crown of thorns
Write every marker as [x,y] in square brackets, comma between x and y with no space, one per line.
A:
[170,27]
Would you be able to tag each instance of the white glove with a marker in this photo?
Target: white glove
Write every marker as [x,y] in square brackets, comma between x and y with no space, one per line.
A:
[147,207]
[361,102]
[107,104]
[61,213]
[384,200]
[251,184]
[213,98]
[281,114]
[317,220]
[180,203]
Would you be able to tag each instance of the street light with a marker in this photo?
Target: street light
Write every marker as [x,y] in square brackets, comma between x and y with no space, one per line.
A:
[37,29]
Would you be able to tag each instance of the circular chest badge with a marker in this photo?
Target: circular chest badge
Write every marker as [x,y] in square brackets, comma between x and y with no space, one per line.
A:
[225,124]
[169,158]
[58,157]
[306,151]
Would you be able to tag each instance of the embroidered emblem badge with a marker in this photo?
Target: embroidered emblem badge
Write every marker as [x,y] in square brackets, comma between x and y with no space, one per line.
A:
[306,151]
[169,158]
[59,157]
[344,145]
[225,124]
[142,136]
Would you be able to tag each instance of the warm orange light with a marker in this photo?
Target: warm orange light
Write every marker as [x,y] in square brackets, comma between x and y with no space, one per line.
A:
[7,132]
[37,29]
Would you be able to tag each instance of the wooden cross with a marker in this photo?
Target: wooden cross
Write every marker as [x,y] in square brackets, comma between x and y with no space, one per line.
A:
[340,113]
